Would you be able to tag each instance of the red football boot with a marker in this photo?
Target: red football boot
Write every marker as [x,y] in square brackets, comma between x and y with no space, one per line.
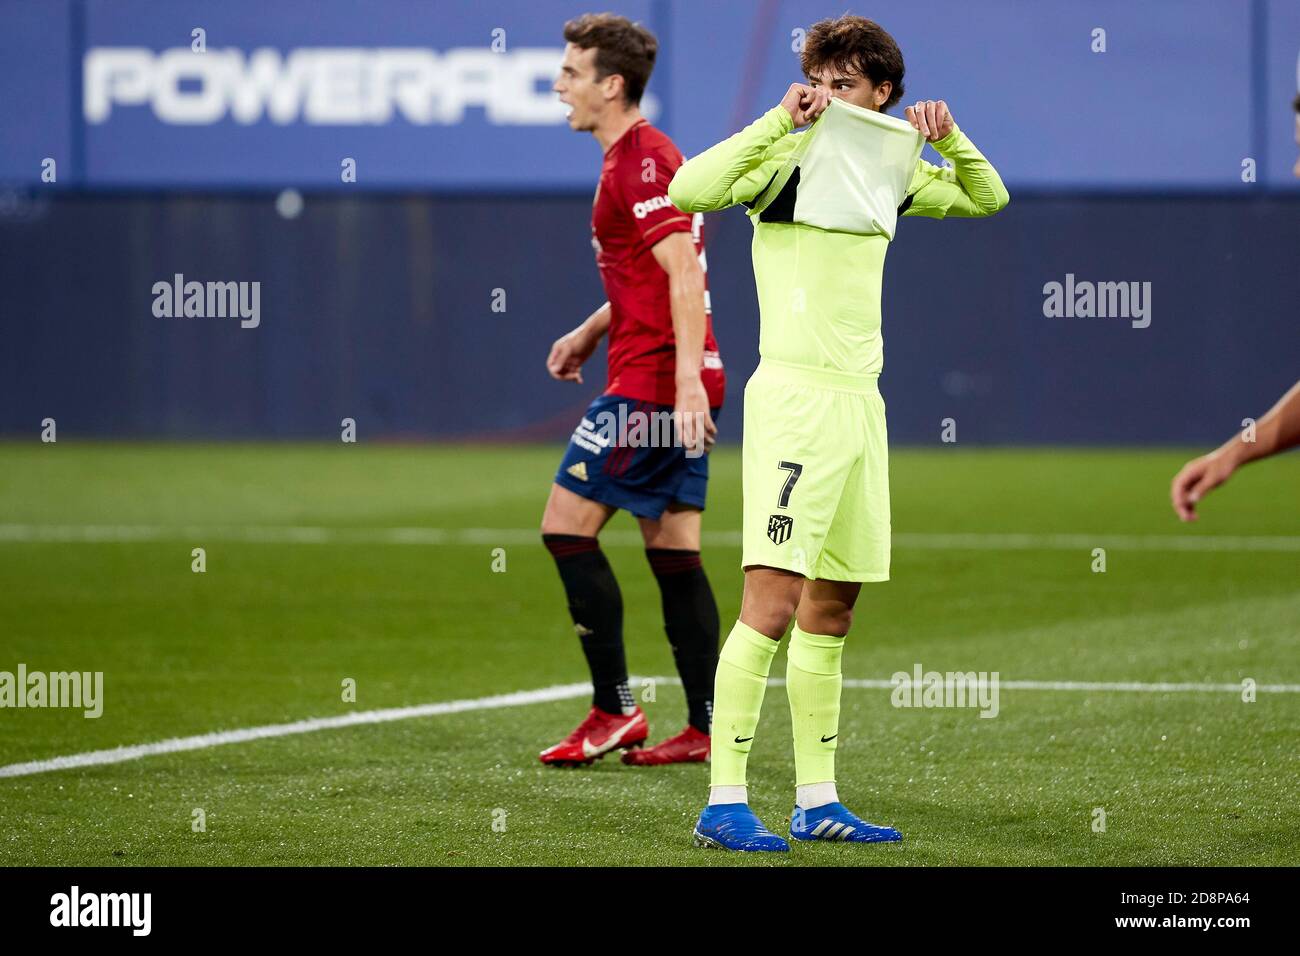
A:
[690,746]
[596,736]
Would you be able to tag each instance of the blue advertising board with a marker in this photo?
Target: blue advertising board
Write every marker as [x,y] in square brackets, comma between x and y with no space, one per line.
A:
[454,95]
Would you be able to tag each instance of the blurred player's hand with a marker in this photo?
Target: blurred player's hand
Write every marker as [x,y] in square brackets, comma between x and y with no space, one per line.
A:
[804,103]
[931,118]
[691,417]
[1195,479]
[567,355]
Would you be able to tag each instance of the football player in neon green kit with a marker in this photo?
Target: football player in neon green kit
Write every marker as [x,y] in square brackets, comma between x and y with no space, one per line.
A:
[816,494]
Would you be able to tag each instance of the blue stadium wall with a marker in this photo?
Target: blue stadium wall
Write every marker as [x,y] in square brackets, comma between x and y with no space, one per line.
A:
[378,300]
[384,309]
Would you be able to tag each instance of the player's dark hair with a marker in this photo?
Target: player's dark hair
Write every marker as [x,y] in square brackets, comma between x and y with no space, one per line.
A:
[622,47]
[1296,103]
[855,45]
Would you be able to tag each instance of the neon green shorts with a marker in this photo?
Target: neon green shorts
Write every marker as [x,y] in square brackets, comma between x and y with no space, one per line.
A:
[816,474]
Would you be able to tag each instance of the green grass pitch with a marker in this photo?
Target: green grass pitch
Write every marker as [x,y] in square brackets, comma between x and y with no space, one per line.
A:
[270,631]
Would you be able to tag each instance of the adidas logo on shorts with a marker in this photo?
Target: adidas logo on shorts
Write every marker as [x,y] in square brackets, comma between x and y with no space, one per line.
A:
[779,527]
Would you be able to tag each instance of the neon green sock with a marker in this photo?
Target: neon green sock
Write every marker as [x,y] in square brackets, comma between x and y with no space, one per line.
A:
[738,690]
[813,682]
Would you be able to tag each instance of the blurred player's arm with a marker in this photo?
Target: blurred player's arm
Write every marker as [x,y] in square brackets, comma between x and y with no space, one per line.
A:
[676,255]
[573,348]
[970,187]
[738,169]
[1275,432]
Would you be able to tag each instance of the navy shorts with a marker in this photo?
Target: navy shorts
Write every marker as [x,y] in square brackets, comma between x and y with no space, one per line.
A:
[622,455]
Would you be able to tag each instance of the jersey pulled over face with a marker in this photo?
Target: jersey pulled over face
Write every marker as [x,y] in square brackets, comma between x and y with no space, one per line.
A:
[819,289]
[630,214]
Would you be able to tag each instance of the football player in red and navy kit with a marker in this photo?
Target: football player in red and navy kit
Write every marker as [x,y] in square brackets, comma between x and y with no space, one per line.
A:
[641,445]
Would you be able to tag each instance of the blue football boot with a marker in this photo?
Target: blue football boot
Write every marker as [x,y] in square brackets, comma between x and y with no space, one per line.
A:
[834,822]
[733,826]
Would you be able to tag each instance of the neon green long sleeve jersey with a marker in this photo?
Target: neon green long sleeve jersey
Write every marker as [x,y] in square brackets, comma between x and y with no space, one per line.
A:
[819,290]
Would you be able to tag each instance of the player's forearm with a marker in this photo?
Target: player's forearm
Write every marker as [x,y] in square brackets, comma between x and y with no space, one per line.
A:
[1277,431]
[704,183]
[981,190]
[596,325]
[686,301]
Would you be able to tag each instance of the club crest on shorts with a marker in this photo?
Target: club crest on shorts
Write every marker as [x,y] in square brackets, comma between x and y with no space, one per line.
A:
[779,527]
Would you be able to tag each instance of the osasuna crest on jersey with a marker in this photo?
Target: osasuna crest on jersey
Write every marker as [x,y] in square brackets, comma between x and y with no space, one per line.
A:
[779,528]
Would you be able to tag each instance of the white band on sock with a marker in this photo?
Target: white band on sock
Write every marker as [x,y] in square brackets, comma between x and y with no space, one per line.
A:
[809,796]
[730,794]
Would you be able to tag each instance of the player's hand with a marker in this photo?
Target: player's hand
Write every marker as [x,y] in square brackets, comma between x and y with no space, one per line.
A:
[567,355]
[804,103]
[691,417]
[1195,479]
[931,118]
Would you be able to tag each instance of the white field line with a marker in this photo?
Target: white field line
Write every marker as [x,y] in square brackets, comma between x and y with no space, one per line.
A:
[919,541]
[204,741]
[518,699]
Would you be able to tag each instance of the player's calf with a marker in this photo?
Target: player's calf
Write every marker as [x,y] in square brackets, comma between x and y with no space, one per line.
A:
[691,623]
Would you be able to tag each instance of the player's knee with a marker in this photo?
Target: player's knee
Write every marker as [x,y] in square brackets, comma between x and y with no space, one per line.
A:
[769,600]
[769,625]
[550,519]
[832,621]
[558,520]
[771,617]
[838,623]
